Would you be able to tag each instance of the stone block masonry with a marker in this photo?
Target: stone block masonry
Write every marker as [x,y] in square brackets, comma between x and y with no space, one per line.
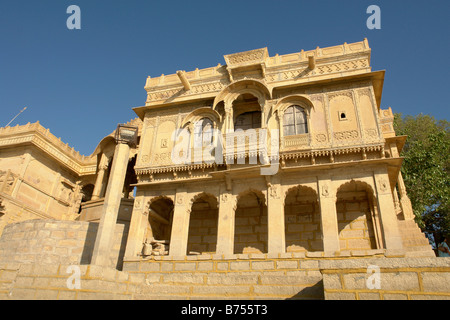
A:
[399,279]
[55,242]
[49,282]
[236,277]
[35,256]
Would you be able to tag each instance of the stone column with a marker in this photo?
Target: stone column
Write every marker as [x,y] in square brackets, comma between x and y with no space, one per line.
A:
[103,165]
[328,216]
[405,203]
[392,237]
[280,120]
[275,220]
[191,143]
[180,225]
[138,224]
[225,226]
[229,125]
[113,196]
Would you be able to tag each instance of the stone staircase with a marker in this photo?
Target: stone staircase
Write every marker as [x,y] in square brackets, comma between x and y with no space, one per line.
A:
[415,242]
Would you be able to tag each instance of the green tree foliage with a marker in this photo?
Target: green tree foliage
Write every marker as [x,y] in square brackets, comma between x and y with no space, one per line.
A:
[425,170]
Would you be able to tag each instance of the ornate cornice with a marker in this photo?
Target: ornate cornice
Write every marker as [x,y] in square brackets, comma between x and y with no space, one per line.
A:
[337,61]
[40,137]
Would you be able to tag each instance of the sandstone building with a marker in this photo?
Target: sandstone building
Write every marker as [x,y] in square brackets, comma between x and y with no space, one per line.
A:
[270,164]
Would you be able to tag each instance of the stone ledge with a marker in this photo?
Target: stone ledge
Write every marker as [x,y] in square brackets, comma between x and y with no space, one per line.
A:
[269,256]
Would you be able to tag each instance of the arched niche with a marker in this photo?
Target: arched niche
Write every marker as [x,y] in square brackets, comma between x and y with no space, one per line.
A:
[201,113]
[302,220]
[160,216]
[202,237]
[357,213]
[252,86]
[251,235]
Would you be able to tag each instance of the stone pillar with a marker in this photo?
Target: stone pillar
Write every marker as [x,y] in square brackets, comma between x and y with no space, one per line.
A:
[328,216]
[103,165]
[225,226]
[280,120]
[138,225]
[275,220]
[405,203]
[392,237]
[113,196]
[229,125]
[180,225]
[398,209]
[191,143]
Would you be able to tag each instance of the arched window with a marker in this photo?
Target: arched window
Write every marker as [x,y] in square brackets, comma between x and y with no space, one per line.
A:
[294,121]
[203,132]
[248,120]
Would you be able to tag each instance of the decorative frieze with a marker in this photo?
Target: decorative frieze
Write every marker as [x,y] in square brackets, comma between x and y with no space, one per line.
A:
[346,135]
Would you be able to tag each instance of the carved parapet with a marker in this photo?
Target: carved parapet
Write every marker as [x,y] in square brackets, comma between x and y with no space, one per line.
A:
[47,142]
[335,61]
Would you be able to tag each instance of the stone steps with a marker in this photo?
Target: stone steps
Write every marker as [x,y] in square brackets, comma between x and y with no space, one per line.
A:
[416,244]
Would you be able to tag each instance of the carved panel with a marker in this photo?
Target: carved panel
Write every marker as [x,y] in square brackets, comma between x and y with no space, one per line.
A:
[346,135]
[321,137]
[296,141]
[371,133]
[274,192]
[253,56]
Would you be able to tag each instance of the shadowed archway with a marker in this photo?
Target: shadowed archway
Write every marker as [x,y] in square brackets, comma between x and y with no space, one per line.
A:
[203,224]
[251,223]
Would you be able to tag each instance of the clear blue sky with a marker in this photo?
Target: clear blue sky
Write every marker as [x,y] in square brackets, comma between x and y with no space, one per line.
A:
[81,83]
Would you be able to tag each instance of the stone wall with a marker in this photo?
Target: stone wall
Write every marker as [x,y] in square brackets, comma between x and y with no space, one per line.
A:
[236,277]
[302,227]
[202,231]
[35,257]
[399,279]
[50,282]
[241,278]
[356,231]
[55,242]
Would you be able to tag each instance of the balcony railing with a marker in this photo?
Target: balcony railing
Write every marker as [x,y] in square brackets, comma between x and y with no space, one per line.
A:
[299,141]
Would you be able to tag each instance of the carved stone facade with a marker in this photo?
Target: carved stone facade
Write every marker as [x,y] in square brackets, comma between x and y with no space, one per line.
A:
[43,178]
[284,156]
[343,167]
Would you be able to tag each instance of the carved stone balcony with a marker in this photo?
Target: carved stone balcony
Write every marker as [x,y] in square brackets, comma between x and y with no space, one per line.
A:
[250,143]
[296,142]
